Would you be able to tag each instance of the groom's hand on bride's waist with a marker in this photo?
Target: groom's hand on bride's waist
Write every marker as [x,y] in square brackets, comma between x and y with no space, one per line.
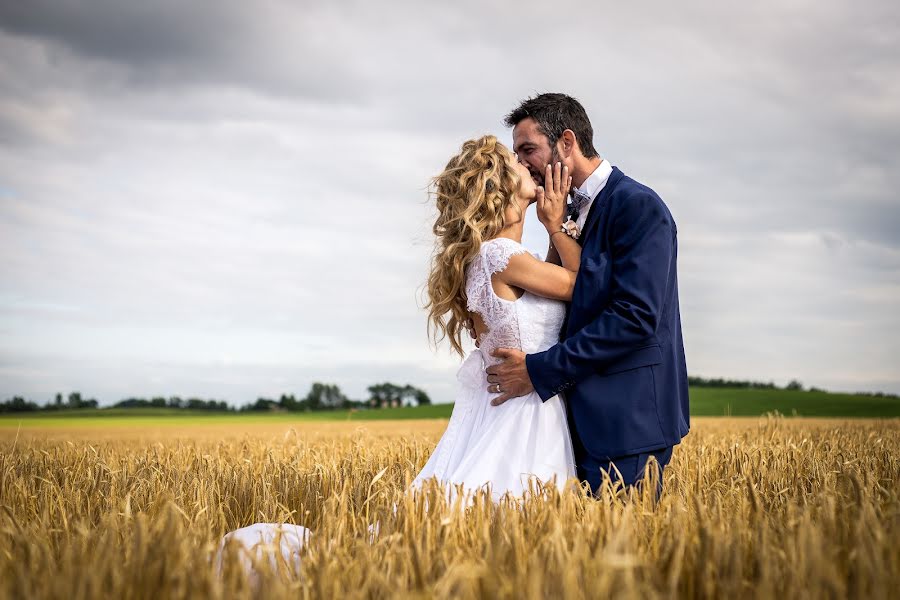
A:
[508,379]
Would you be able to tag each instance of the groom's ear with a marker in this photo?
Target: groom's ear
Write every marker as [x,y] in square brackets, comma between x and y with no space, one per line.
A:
[568,142]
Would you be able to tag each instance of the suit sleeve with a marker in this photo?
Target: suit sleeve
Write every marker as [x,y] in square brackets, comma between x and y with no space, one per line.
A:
[643,243]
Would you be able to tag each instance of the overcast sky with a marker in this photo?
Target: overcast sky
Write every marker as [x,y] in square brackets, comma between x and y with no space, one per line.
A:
[227,199]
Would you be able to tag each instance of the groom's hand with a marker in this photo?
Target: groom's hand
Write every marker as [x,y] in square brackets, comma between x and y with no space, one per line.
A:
[551,200]
[511,375]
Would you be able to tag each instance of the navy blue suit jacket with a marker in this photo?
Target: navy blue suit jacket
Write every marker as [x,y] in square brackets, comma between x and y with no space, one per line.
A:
[620,360]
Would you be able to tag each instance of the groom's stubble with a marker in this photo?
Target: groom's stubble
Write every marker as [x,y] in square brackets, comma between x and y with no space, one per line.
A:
[538,176]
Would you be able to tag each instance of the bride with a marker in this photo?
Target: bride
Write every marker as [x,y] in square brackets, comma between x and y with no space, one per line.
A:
[482,275]
[482,272]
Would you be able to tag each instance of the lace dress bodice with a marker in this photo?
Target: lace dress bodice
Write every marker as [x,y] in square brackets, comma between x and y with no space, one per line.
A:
[531,323]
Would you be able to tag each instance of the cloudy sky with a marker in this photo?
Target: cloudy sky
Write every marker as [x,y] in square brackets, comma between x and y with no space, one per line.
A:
[228,199]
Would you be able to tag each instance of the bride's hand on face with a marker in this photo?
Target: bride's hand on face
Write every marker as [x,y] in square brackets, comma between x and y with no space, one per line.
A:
[551,199]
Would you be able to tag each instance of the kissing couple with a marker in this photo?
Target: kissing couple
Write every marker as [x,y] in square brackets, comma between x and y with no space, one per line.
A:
[580,367]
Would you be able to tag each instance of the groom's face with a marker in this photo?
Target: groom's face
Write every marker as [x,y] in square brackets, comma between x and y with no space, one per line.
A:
[533,148]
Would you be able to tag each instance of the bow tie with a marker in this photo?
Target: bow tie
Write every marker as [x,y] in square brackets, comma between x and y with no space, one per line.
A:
[579,201]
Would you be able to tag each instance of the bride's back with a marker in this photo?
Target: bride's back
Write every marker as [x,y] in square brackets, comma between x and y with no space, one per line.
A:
[531,323]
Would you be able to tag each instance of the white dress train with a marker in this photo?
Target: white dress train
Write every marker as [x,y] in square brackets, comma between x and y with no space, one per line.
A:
[502,448]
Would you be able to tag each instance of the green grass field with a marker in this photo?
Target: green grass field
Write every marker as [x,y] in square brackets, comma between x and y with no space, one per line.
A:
[712,402]
[738,402]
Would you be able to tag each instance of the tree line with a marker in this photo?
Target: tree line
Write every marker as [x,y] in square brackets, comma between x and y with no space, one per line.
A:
[694,381]
[20,404]
[718,382]
[321,396]
[793,386]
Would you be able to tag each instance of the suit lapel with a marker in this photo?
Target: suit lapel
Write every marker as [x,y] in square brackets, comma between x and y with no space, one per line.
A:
[597,204]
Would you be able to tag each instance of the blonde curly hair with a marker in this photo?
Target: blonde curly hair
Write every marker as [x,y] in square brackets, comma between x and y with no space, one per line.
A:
[472,195]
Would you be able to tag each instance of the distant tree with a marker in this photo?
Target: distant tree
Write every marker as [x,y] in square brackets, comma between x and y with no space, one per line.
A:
[201,404]
[55,404]
[389,394]
[421,398]
[262,405]
[195,404]
[729,383]
[382,394]
[877,395]
[131,403]
[795,385]
[17,404]
[290,403]
[410,395]
[322,396]
[76,401]
[174,402]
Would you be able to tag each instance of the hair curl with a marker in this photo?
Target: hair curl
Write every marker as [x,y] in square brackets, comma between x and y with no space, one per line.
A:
[472,195]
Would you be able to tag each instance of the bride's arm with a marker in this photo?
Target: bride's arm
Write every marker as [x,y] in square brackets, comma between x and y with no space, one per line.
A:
[567,249]
[538,277]
[573,251]
[546,278]
[553,255]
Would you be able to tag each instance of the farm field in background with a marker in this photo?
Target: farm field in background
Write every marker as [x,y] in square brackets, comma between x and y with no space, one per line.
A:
[714,402]
[753,507]
[704,402]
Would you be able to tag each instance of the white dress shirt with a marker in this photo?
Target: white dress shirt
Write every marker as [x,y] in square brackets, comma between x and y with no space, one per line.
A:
[592,187]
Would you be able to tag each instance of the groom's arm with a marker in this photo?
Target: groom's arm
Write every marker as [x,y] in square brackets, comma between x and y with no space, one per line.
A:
[643,243]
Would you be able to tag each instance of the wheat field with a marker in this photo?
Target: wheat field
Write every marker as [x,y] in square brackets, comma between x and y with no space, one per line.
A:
[759,508]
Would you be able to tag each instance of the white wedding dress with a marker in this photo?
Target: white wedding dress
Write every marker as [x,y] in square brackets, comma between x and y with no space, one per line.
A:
[500,448]
[504,446]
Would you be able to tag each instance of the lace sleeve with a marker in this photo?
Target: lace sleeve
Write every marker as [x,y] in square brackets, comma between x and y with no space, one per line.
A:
[493,258]
[497,253]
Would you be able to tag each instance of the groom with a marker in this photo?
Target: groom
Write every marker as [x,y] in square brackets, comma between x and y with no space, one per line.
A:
[620,360]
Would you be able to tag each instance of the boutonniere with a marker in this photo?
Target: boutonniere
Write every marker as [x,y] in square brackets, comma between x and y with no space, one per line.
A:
[570,228]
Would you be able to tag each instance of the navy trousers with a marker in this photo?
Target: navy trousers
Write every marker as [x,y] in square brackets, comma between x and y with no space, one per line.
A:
[628,469]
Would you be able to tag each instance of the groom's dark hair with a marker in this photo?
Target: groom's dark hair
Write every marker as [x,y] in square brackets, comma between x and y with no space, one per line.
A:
[554,113]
